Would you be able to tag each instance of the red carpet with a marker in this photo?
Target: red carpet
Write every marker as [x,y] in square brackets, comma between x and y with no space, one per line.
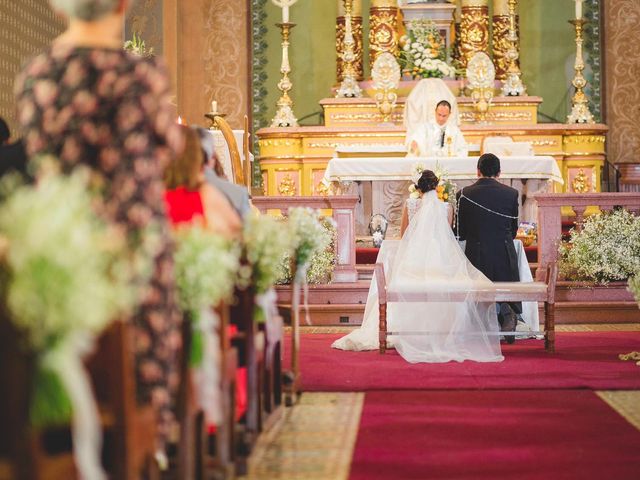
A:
[469,435]
[583,360]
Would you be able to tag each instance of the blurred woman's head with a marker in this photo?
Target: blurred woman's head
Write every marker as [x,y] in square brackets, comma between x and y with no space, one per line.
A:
[427,181]
[186,169]
[88,10]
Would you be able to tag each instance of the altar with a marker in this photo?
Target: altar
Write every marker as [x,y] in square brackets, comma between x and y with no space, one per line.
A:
[382,182]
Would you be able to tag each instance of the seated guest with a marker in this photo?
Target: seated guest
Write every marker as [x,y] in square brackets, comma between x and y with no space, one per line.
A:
[190,199]
[87,102]
[214,174]
[13,158]
[438,137]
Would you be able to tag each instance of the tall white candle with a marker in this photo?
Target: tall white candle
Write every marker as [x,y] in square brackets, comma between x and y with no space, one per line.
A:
[578,9]
[285,14]
[214,106]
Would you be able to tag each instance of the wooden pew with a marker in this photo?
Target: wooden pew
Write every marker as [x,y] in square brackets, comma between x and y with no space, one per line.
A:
[496,292]
[129,429]
[250,343]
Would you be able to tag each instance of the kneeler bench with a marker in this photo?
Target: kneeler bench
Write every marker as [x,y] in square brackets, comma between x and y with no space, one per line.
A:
[496,292]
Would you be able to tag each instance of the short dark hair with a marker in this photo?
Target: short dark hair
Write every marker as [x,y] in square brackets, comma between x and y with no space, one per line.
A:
[443,103]
[489,165]
[5,134]
[427,181]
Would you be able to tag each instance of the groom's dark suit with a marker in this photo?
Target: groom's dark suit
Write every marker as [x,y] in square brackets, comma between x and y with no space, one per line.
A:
[490,236]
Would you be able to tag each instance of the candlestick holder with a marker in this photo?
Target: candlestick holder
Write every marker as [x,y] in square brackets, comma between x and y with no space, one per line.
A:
[284,115]
[212,118]
[513,85]
[579,104]
[349,87]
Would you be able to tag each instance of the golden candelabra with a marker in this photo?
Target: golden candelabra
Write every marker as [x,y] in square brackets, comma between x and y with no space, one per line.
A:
[284,115]
[513,83]
[580,106]
[349,87]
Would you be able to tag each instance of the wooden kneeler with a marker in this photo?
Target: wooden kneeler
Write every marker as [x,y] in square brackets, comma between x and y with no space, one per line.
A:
[496,292]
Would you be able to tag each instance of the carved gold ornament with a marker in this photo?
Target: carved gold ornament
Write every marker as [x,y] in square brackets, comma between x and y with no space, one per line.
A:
[287,186]
[500,44]
[322,188]
[474,32]
[383,31]
[386,78]
[581,183]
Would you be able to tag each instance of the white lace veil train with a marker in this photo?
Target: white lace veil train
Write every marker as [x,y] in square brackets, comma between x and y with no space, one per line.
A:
[429,256]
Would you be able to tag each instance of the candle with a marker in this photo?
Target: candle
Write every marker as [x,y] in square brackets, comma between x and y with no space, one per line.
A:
[214,106]
[180,120]
[285,14]
[578,9]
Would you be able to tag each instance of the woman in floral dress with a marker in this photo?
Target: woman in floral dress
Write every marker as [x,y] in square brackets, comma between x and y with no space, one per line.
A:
[87,102]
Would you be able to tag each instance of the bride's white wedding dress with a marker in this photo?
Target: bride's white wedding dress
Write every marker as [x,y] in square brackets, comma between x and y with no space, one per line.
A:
[429,255]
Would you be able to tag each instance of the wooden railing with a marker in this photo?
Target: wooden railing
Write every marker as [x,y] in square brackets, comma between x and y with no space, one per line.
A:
[343,213]
[550,216]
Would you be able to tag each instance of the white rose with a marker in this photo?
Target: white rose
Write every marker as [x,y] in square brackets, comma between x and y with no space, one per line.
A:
[415,45]
[406,47]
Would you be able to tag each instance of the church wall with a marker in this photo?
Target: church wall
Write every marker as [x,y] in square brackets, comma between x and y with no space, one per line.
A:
[24,32]
[622,87]
[547,53]
[207,47]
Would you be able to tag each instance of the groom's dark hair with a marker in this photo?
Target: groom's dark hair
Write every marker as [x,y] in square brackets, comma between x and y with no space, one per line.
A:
[489,165]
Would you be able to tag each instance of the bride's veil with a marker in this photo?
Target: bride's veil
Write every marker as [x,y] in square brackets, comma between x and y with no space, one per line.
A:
[428,256]
[430,259]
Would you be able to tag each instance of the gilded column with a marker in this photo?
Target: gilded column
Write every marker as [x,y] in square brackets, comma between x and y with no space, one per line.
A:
[356,27]
[383,28]
[474,29]
[499,40]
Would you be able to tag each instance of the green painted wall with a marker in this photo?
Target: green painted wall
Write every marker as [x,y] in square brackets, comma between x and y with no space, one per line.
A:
[547,49]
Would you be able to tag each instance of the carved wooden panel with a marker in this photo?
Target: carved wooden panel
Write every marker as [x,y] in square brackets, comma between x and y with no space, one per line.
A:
[622,57]
[226,56]
[24,31]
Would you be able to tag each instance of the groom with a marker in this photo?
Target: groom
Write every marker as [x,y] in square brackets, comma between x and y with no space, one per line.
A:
[488,221]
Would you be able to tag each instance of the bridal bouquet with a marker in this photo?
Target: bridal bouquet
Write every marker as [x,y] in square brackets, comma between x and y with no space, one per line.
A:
[66,278]
[422,53]
[606,249]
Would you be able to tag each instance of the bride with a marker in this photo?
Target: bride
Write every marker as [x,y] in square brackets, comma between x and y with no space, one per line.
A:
[428,254]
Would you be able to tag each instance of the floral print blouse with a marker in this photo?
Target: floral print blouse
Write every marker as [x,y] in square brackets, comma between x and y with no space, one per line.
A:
[108,110]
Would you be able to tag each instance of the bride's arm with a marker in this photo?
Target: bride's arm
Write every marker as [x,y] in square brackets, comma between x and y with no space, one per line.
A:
[450,214]
[404,222]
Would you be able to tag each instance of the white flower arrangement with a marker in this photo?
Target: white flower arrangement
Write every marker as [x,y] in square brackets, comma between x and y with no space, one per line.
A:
[137,46]
[265,242]
[67,278]
[422,52]
[206,268]
[606,249]
[313,240]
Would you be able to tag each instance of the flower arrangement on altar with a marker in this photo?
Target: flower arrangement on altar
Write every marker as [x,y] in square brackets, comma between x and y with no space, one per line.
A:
[422,52]
[446,189]
[137,46]
[66,276]
[313,247]
[606,249]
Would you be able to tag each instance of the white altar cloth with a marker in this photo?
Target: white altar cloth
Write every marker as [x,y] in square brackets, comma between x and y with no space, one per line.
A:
[457,168]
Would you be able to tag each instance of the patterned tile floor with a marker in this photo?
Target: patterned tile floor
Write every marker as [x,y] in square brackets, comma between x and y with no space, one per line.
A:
[315,439]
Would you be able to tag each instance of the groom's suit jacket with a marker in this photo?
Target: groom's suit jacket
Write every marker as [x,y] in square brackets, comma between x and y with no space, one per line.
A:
[489,236]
